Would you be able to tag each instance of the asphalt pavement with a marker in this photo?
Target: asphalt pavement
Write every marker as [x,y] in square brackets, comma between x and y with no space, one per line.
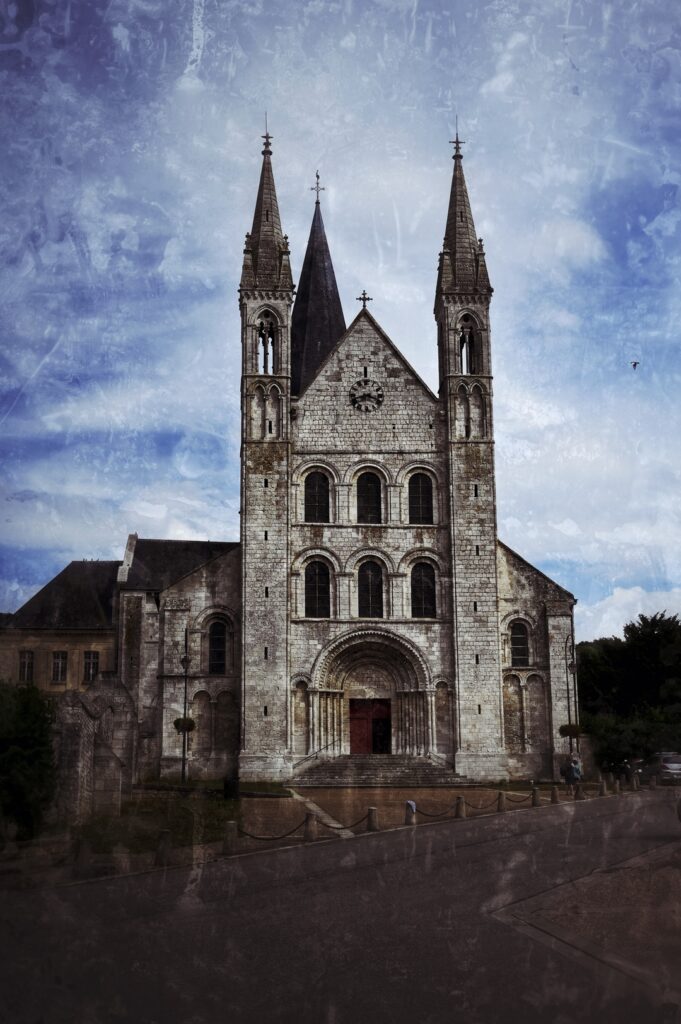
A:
[432,924]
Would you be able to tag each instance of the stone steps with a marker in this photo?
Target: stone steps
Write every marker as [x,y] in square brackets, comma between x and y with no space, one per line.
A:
[377,770]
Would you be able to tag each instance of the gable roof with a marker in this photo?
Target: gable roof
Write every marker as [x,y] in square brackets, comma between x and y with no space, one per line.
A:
[81,596]
[519,558]
[157,564]
[364,314]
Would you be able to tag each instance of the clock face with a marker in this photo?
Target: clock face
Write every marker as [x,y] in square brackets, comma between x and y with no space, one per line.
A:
[366,395]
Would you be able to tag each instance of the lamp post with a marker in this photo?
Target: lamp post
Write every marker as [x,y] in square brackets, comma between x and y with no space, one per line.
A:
[184,662]
[569,667]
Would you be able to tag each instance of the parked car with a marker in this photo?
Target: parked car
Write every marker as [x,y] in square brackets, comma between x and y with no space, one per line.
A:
[664,766]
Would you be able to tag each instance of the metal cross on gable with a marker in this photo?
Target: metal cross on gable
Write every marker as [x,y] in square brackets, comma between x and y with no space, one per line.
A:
[317,187]
[364,298]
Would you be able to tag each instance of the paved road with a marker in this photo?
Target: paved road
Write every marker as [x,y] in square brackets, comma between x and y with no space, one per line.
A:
[392,927]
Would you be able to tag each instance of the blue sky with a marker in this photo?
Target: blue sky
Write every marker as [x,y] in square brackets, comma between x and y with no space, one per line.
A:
[128,180]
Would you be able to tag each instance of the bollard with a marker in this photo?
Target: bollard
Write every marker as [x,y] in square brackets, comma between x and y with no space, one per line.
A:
[602,788]
[636,784]
[678,809]
[536,801]
[623,782]
[230,838]
[555,798]
[501,803]
[579,792]
[653,782]
[410,813]
[610,778]
[310,833]
[616,787]
[460,809]
[162,849]
[372,823]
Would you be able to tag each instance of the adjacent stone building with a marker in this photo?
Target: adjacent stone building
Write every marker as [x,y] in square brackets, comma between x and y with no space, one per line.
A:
[369,620]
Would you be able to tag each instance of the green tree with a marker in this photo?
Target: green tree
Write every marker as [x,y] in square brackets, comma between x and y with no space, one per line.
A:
[26,756]
[630,689]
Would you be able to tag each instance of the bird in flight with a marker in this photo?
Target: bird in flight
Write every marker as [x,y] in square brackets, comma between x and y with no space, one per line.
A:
[634,363]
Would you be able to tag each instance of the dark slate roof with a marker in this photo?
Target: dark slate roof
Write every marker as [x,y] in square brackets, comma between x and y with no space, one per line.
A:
[156,564]
[462,262]
[317,322]
[266,254]
[80,597]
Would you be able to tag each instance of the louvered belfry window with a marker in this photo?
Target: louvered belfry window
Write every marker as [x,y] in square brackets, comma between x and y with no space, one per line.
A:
[423,591]
[370,591]
[520,645]
[317,591]
[368,498]
[420,499]
[316,498]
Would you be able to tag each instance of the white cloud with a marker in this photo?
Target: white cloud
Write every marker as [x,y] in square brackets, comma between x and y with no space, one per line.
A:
[609,616]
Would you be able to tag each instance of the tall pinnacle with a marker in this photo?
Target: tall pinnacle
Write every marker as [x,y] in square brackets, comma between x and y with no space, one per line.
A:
[462,261]
[317,322]
[266,253]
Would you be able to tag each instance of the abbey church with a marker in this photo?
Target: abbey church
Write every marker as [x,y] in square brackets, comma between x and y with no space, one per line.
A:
[369,625]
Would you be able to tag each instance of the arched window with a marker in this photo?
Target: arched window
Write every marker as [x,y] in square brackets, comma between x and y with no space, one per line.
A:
[423,591]
[520,645]
[217,648]
[266,347]
[316,498]
[368,498]
[467,345]
[370,591]
[317,591]
[420,498]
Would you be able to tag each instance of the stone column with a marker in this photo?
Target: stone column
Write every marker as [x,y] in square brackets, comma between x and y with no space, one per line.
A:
[343,503]
[343,595]
[394,511]
[313,708]
[430,720]
[397,595]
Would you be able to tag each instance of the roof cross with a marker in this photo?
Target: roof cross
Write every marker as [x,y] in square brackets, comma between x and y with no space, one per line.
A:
[364,298]
[267,137]
[317,187]
[456,141]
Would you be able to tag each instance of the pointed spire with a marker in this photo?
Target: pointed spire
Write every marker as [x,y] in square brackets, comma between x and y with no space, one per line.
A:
[462,261]
[266,253]
[317,322]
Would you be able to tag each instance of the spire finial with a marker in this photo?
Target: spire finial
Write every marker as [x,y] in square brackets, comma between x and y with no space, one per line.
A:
[364,298]
[268,138]
[456,141]
[317,187]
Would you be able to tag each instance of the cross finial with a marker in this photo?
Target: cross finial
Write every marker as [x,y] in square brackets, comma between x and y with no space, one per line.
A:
[268,138]
[317,187]
[456,141]
[364,298]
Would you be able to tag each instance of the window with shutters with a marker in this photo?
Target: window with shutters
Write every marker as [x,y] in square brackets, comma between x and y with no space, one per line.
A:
[520,645]
[420,499]
[317,591]
[316,498]
[370,591]
[423,591]
[368,498]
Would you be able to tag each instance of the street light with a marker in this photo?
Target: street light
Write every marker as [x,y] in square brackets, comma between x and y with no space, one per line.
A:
[569,668]
[184,662]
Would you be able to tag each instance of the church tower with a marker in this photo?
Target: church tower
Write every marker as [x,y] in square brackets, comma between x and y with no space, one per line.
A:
[462,301]
[265,299]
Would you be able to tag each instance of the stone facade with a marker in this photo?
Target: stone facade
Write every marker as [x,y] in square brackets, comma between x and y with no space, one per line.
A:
[369,607]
